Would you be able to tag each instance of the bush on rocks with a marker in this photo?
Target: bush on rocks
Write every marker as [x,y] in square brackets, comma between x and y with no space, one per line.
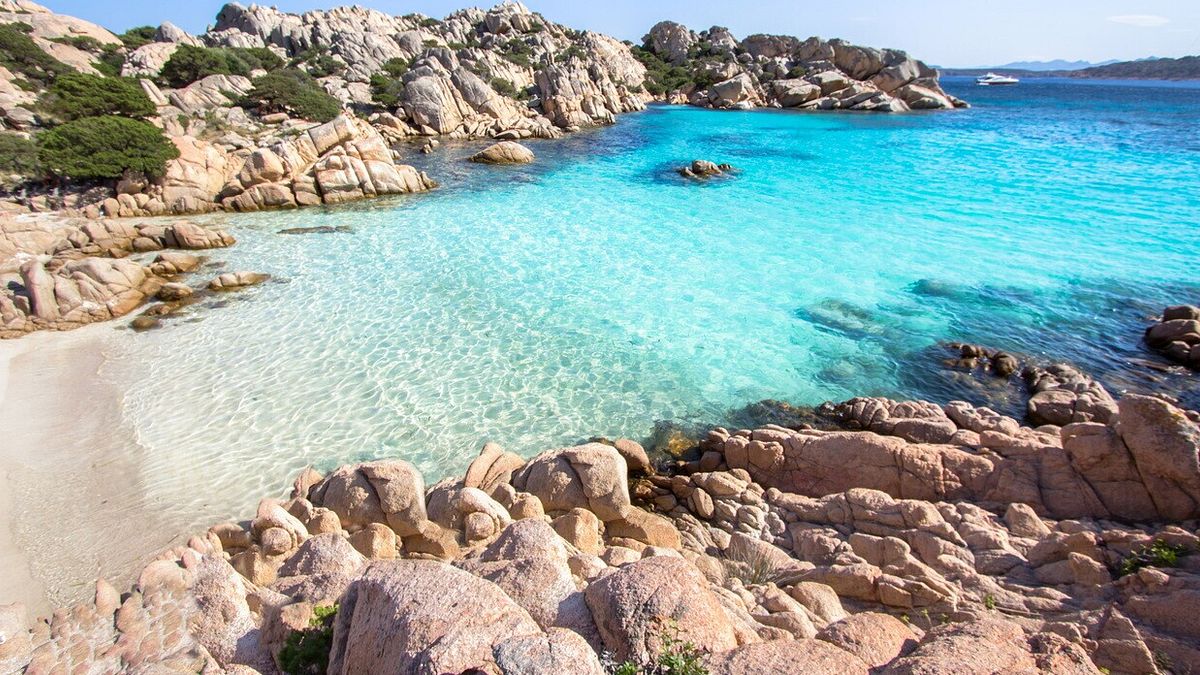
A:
[105,147]
[294,91]
[74,96]
[190,63]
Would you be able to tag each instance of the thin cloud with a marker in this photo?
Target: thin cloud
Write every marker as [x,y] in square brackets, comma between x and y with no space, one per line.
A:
[1140,20]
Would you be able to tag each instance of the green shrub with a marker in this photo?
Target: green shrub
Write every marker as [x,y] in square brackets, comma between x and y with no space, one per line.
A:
[677,657]
[504,87]
[306,652]
[294,91]
[797,72]
[396,68]
[430,23]
[138,36]
[386,91]
[190,63]
[104,147]
[18,155]
[75,95]
[1157,554]
[21,55]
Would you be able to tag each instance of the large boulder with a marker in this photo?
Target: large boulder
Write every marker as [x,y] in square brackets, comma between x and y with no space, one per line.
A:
[989,646]
[416,616]
[786,656]
[631,605]
[391,492]
[592,476]
[505,152]
[671,41]
[875,638]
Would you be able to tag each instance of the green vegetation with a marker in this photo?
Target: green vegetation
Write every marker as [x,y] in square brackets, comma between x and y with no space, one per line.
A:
[989,601]
[504,87]
[1157,554]
[386,91]
[85,42]
[138,36]
[430,23]
[189,63]
[18,155]
[76,95]
[662,77]
[325,65]
[677,657]
[386,86]
[21,55]
[104,147]
[516,51]
[294,91]
[306,652]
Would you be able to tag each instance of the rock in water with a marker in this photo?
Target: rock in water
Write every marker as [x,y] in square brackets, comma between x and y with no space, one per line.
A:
[505,152]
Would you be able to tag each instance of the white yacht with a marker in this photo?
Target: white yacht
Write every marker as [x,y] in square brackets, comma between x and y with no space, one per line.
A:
[993,79]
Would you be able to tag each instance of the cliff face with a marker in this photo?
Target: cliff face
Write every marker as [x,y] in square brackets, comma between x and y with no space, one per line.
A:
[714,69]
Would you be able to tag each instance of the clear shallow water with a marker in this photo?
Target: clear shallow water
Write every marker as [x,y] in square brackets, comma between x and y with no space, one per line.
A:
[595,292]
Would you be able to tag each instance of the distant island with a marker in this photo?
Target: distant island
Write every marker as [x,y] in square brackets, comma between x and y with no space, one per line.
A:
[1185,68]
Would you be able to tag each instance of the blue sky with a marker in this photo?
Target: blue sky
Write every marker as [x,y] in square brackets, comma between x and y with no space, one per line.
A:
[943,32]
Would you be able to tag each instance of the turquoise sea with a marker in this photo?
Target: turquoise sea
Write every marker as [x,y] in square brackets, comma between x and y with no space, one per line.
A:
[597,293]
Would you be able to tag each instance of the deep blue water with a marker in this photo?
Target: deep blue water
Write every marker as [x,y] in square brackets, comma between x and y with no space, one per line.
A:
[595,292]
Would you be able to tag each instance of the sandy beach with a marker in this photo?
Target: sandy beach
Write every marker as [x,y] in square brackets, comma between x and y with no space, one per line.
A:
[70,504]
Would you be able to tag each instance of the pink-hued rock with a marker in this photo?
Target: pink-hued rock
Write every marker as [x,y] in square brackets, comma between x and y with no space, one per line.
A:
[785,656]
[631,606]
[407,616]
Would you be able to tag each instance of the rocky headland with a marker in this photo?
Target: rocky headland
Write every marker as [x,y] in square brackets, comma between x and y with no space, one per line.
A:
[894,537]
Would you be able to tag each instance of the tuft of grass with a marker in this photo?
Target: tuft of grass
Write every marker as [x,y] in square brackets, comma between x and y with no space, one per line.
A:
[1157,554]
[306,652]
[753,566]
[989,601]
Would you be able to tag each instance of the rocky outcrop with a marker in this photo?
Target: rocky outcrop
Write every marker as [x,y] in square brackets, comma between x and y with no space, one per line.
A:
[1177,335]
[580,78]
[786,72]
[339,161]
[918,450]
[84,275]
[702,168]
[546,565]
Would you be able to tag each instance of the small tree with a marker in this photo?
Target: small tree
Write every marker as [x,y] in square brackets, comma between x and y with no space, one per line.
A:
[295,91]
[104,147]
[75,95]
[189,64]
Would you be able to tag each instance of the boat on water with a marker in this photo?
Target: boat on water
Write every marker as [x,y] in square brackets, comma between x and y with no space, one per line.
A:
[992,79]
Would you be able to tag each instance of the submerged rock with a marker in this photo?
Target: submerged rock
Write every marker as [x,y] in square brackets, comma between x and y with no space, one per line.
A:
[1177,335]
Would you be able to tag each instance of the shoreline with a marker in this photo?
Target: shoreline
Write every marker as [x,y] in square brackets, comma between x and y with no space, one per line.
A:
[58,461]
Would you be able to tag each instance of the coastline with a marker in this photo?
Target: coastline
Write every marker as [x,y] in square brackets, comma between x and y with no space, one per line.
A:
[57,460]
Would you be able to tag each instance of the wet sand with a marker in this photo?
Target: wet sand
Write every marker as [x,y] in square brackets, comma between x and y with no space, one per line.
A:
[71,505]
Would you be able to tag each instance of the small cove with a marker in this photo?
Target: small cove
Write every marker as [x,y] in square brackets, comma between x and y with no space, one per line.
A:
[594,292]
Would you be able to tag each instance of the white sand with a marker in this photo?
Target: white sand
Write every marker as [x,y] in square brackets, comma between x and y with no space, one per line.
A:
[71,505]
